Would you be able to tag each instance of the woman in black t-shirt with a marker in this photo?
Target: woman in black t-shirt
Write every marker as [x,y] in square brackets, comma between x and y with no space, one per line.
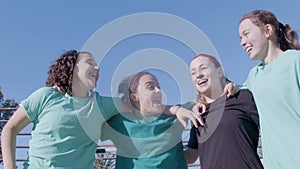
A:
[229,137]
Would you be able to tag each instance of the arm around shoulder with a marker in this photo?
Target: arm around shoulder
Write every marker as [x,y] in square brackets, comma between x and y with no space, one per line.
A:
[184,114]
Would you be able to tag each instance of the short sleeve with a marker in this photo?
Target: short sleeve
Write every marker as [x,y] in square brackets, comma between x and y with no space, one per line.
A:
[34,104]
[193,142]
[105,131]
[109,106]
[188,105]
[251,109]
[247,84]
[297,67]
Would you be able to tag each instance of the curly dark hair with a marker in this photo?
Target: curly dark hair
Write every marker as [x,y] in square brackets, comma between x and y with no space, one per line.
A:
[60,73]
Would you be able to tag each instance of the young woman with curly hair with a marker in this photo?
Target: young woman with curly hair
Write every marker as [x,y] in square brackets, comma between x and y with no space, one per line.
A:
[60,113]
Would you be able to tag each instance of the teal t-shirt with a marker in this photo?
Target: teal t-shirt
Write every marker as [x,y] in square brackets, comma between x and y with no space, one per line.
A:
[276,89]
[149,143]
[66,129]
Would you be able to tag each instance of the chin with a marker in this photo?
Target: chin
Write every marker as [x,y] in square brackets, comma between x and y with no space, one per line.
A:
[157,110]
[202,90]
[92,85]
[253,56]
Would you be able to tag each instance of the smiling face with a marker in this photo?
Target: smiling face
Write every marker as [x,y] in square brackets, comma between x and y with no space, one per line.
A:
[86,73]
[148,95]
[206,76]
[254,40]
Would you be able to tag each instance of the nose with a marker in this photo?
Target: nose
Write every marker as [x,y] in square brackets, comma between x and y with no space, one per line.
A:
[98,70]
[243,42]
[199,74]
[157,90]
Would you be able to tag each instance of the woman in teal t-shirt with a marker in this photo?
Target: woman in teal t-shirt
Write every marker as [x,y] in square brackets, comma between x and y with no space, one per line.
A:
[275,84]
[145,136]
[61,114]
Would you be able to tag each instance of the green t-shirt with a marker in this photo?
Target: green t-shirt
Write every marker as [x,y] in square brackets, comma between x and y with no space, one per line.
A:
[276,90]
[148,143]
[65,128]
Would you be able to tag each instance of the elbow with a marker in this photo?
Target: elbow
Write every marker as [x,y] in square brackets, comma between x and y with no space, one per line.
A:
[7,131]
[191,155]
[190,160]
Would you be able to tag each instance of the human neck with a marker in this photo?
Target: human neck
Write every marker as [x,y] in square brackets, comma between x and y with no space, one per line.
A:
[273,53]
[79,92]
[213,95]
[141,114]
[145,114]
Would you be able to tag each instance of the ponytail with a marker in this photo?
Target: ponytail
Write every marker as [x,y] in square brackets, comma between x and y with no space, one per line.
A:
[288,38]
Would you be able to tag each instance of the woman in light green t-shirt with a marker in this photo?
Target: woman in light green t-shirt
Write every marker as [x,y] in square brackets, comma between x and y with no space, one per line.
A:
[275,84]
[59,113]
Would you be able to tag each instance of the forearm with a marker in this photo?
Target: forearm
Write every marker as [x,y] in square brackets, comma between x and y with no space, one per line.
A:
[174,109]
[8,145]
[184,114]
[8,137]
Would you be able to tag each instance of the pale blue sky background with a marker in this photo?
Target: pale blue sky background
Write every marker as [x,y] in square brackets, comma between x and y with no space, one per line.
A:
[34,33]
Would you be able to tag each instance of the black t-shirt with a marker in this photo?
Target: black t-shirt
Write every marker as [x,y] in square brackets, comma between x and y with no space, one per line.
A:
[229,138]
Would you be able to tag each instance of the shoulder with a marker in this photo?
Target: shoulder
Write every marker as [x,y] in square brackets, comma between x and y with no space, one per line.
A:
[107,99]
[108,103]
[109,106]
[42,93]
[188,105]
[45,90]
[242,101]
[243,96]
[36,102]
[292,55]
[245,93]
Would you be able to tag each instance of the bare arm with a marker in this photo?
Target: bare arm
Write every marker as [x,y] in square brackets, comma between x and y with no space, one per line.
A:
[190,155]
[8,138]
[184,114]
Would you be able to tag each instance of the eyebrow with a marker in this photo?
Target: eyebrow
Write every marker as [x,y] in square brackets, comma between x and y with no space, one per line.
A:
[198,66]
[245,30]
[151,83]
[89,59]
[148,83]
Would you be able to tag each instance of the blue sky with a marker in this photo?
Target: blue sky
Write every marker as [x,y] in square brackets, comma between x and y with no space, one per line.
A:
[34,33]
